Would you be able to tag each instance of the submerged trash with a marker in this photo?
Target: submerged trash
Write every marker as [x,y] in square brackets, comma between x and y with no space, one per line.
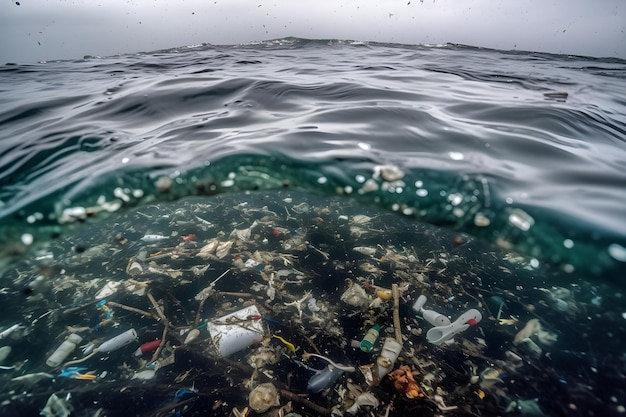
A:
[264,397]
[64,350]
[236,331]
[56,407]
[248,313]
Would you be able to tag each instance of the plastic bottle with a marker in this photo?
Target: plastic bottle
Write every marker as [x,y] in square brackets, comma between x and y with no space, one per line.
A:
[64,350]
[370,338]
[324,378]
[388,355]
[147,347]
[118,341]
[10,330]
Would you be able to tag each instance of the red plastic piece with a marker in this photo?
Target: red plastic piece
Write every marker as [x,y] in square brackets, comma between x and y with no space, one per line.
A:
[149,346]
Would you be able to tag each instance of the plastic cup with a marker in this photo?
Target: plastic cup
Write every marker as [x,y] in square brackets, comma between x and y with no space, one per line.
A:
[236,331]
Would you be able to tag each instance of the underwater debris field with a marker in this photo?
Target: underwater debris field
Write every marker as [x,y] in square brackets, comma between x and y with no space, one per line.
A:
[286,304]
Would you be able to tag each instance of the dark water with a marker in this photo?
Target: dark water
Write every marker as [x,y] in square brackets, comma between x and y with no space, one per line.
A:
[520,152]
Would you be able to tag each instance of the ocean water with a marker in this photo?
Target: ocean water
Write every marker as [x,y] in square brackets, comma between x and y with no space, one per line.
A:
[479,178]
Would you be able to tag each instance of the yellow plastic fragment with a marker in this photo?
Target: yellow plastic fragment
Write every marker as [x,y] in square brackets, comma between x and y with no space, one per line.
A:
[508,322]
[290,346]
[87,377]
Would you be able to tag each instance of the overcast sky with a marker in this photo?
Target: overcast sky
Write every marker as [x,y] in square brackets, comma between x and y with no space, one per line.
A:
[38,30]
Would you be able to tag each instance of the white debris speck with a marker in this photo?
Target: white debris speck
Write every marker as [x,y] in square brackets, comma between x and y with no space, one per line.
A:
[481,220]
[312,305]
[364,146]
[520,219]
[125,160]
[72,214]
[456,156]
[369,186]
[360,179]
[121,194]
[568,243]
[388,172]
[322,180]
[455,199]
[27,239]
[617,252]
[422,192]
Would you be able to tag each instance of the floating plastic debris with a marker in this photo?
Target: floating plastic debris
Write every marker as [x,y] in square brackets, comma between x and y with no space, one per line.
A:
[170,312]
[617,252]
[370,338]
[264,397]
[236,331]
[64,350]
[520,219]
[441,334]
[388,172]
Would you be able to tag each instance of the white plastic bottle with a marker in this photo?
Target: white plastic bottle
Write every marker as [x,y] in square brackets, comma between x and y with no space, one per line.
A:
[118,341]
[63,351]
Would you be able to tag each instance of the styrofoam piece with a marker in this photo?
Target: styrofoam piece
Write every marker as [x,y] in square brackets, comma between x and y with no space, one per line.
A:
[236,331]
[440,334]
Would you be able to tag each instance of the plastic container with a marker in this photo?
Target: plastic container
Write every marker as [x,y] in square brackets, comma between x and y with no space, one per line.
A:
[8,331]
[236,331]
[434,318]
[419,303]
[370,338]
[118,341]
[388,355]
[147,347]
[64,350]
[440,334]
[324,378]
